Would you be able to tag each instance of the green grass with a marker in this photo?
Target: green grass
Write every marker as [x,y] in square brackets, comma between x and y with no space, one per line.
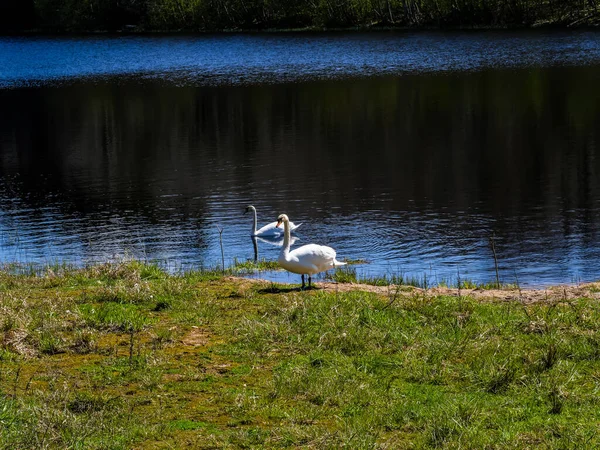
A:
[247,267]
[348,274]
[129,356]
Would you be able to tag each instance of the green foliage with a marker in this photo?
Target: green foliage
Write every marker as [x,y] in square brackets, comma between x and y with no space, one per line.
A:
[49,343]
[64,419]
[348,274]
[186,425]
[264,14]
[87,402]
[344,274]
[123,317]
[89,14]
[245,267]
[455,370]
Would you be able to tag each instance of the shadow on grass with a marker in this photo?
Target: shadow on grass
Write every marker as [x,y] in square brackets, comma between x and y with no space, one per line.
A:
[276,289]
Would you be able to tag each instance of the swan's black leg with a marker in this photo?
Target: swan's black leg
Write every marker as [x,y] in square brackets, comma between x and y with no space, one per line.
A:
[309,281]
[303,281]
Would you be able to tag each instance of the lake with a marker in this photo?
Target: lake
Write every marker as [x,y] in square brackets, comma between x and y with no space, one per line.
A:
[405,150]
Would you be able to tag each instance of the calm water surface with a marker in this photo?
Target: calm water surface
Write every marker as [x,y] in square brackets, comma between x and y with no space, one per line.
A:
[407,150]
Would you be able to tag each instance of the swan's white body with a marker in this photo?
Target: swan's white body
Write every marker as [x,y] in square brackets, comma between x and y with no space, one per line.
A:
[306,260]
[270,229]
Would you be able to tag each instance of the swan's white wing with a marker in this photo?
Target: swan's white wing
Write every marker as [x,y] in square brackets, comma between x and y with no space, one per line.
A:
[311,259]
[270,229]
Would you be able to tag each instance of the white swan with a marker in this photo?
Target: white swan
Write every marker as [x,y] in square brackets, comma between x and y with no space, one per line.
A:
[306,260]
[276,240]
[270,229]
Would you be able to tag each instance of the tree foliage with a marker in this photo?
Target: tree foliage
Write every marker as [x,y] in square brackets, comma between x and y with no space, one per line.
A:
[201,15]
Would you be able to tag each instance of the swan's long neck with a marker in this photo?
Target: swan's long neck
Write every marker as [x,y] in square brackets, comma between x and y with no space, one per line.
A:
[286,238]
[254,223]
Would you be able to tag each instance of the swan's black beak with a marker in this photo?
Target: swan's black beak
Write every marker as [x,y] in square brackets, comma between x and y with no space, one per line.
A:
[279,223]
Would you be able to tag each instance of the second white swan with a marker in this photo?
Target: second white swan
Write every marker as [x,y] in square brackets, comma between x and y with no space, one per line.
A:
[269,230]
[306,260]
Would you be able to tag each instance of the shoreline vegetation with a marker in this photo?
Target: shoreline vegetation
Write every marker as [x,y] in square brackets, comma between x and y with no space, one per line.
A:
[119,356]
[145,16]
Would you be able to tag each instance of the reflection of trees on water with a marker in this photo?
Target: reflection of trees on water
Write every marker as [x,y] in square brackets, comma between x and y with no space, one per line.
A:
[505,144]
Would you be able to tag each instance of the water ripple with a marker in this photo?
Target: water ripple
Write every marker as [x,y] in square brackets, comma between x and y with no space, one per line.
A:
[268,58]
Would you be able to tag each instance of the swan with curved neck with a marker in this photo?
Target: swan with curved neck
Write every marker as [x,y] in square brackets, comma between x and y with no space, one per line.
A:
[276,241]
[306,260]
[269,230]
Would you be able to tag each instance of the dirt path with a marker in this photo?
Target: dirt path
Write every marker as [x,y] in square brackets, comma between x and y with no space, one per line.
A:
[563,292]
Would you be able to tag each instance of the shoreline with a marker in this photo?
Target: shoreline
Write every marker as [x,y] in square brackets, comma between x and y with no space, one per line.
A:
[529,295]
[140,31]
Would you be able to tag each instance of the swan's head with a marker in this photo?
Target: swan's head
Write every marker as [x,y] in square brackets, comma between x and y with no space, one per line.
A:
[282,218]
[249,208]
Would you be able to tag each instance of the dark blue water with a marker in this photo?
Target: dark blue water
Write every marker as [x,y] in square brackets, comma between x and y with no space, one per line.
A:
[406,150]
[275,58]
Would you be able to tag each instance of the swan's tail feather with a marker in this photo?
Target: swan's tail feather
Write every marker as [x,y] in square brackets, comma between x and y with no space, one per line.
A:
[338,263]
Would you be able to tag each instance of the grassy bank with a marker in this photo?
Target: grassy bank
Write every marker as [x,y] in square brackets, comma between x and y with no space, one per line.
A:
[127,356]
[211,15]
